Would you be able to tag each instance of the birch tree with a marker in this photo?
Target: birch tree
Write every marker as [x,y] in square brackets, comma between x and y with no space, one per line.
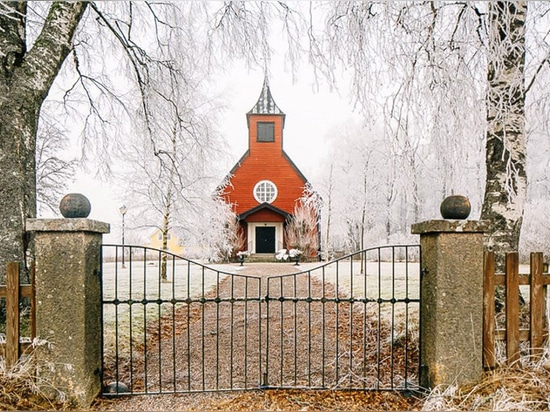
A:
[506,181]
[170,178]
[458,71]
[328,189]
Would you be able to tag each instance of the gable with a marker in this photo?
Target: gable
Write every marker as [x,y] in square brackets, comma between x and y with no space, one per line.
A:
[273,166]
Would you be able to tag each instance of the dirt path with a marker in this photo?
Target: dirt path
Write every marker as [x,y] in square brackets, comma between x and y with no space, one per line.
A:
[306,339]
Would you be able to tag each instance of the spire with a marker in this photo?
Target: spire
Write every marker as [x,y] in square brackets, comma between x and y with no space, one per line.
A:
[265,103]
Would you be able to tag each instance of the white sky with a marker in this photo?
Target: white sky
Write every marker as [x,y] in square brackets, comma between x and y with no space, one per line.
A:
[310,115]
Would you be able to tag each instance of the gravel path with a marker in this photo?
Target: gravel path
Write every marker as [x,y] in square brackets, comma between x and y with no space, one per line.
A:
[220,345]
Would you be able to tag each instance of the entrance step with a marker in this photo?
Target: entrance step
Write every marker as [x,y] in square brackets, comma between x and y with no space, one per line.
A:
[261,257]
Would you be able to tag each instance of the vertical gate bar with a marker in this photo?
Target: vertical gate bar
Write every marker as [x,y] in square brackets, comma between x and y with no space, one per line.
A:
[264,377]
[392,327]
[337,308]
[144,304]
[410,307]
[419,305]
[117,355]
[261,380]
[295,304]
[202,328]
[281,324]
[365,297]
[309,326]
[159,321]
[188,326]
[351,322]
[245,326]
[323,329]
[512,307]
[406,377]
[260,334]
[130,321]
[537,306]
[217,330]
[231,333]
[102,313]
[379,330]
[174,375]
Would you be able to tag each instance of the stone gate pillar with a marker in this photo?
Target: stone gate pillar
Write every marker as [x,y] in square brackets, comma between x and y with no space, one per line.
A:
[68,304]
[451,293]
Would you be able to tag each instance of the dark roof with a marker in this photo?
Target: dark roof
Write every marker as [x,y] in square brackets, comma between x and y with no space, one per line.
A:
[239,163]
[265,103]
[262,206]
[287,157]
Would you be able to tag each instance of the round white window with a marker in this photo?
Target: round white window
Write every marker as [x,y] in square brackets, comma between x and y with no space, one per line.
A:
[265,191]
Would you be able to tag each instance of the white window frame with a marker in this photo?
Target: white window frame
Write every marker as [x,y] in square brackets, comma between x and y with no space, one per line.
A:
[265,183]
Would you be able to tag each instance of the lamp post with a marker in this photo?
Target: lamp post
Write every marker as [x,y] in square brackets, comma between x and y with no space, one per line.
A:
[123,209]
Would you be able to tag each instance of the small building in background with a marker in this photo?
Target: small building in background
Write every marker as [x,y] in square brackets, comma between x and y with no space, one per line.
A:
[174,245]
[265,185]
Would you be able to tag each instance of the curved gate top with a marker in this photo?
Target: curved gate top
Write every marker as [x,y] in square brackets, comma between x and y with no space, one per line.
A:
[173,325]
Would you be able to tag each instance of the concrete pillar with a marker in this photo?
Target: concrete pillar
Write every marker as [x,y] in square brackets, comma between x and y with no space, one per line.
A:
[451,290]
[68,305]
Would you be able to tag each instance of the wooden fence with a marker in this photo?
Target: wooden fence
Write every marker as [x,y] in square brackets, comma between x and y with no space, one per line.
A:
[13,292]
[532,314]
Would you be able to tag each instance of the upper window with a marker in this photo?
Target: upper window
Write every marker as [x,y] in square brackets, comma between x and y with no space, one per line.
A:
[266,131]
[265,191]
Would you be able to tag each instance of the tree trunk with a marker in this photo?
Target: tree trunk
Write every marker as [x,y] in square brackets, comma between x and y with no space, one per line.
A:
[25,79]
[506,182]
[166,229]
[363,223]
[168,201]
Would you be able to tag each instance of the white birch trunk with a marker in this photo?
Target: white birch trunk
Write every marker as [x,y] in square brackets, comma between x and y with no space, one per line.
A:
[506,182]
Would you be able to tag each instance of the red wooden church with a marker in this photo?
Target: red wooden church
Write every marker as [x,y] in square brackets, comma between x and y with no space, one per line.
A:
[265,184]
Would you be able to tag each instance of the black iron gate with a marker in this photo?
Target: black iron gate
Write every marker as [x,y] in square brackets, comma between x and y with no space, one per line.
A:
[172,325]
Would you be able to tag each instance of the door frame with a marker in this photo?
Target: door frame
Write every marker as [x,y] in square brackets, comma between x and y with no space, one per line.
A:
[251,234]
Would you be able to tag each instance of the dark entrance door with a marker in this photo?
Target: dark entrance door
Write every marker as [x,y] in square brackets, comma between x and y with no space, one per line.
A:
[265,239]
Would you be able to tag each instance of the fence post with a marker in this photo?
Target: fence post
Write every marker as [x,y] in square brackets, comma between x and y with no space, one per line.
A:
[12,314]
[451,307]
[68,304]
[489,355]
[537,304]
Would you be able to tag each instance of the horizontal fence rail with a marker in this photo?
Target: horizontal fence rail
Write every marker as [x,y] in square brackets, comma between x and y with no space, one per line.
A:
[172,325]
[521,320]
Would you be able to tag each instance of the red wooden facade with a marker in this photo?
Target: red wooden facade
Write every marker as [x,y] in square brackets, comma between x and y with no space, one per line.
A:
[265,184]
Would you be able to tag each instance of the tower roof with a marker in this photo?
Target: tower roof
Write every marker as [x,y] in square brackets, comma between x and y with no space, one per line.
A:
[265,103]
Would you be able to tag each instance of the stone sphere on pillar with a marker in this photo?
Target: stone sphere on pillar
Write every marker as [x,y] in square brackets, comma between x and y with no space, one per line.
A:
[75,205]
[455,207]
